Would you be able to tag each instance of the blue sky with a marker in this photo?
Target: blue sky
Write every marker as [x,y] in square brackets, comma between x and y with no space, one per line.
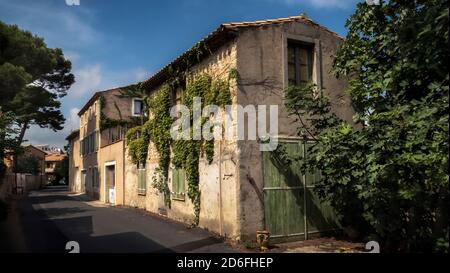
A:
[113,43]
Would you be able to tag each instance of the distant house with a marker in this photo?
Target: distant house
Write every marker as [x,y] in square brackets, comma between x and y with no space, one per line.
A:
[98,147]
[243,189]
[52,162]
[49,149]
[74,160]
[28,151]
[31,150]
[29,173]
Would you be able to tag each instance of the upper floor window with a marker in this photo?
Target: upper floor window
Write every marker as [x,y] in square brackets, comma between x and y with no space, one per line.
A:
[137,107]
[177,98]
[300,63]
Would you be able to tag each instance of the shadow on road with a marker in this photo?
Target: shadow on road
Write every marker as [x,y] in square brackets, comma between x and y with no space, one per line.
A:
[46,220]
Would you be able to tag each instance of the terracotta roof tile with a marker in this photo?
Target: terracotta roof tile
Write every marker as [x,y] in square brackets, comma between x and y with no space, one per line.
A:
[224,32]
[54,157]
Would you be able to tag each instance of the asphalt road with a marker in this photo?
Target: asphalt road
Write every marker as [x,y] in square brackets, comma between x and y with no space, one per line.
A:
[46,220]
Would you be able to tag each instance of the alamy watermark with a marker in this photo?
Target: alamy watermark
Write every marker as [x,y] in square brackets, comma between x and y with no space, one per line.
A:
[213,123]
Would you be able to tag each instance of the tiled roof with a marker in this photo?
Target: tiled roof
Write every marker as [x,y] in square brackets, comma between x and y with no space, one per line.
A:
[224,33]
[73,134]
[34,148]
[299,18]
[54,157]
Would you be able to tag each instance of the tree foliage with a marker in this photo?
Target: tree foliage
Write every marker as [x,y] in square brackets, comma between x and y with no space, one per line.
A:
[33,77]
[27,163]
[387,173]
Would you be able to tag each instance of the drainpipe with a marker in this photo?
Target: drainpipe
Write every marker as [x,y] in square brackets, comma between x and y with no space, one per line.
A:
[220,188]
[305,188]
[123,172]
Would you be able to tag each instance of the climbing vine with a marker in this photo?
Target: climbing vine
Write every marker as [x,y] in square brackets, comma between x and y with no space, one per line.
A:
[137,141]
[158,130]
[186,153]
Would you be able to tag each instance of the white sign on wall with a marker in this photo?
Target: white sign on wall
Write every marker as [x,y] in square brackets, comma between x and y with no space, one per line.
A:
[112,196]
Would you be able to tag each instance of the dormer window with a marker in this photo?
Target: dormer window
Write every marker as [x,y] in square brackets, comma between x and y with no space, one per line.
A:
[137,107]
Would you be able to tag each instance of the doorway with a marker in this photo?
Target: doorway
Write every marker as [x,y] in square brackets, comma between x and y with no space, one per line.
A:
[110,183]
[293,210]
[83,181]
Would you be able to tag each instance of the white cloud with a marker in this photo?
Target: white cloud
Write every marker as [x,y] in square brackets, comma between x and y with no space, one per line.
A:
[87,79]
[72,56]
[61,25]
[141,74]
[328,4]
[73,121]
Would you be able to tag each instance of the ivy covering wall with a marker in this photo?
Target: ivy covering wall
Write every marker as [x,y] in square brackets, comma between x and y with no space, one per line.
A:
[186,153]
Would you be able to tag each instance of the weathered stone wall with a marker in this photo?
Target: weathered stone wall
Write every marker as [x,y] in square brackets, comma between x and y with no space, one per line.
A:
[218,180]
[114,153]
[262,67]
[107,151]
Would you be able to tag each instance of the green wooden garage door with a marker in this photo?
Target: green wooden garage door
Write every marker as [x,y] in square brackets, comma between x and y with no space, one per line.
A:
[292,209]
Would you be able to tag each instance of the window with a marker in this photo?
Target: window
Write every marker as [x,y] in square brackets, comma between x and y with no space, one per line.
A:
[113,135]
[95,177]
[90,177]
[178,184]
[121,133]
[300,63]
[97,138]
[89,144]
[142,179]
[92,136]
[137,107]
[177,98]
[82,146]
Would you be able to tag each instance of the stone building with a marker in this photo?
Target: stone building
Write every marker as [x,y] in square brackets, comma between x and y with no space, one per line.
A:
[97,148]
[74,156]
[243,190]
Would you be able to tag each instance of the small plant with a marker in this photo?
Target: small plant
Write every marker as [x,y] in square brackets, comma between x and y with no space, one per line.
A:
[250,244]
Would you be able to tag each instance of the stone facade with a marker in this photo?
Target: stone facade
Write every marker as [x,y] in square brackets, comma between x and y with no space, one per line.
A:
[232,196]
[74,161]
[262,55]
[103,148]
[218,189]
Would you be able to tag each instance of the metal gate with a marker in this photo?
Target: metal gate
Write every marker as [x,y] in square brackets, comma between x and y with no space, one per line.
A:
[292,209]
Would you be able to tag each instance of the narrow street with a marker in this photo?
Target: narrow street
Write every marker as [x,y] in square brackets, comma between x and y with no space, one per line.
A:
[46,220]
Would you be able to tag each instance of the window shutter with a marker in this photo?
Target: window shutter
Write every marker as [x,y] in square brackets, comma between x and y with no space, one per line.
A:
[92,142]
[83,145]
[178,184]
[142,183]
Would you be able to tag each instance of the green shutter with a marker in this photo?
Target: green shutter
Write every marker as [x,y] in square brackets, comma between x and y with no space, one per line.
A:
[292,208]
[178,184]
[142,181]
[97,140]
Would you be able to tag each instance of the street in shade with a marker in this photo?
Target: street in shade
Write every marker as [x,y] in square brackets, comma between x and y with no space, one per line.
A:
[47,220]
